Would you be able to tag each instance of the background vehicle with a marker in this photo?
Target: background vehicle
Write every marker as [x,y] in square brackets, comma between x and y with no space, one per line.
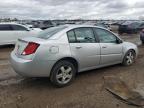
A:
[10,32]
[60,52]
[103,25]
[142,36]
[32,27]
[130,27]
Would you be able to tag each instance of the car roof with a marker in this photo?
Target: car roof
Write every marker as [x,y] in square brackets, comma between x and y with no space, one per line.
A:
[12,23]
[8,23]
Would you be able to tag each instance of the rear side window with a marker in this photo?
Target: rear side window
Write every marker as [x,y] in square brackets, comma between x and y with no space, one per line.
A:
[5,27]
[71,36]
[81,35]
[19,28]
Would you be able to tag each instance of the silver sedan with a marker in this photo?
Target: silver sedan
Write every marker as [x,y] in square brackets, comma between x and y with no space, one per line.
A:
[61,52]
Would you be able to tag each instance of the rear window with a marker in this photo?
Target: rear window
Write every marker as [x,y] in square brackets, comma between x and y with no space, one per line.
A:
[50,32]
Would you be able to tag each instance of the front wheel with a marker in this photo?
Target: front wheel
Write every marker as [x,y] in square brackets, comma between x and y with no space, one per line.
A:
[62,73]
[129,58]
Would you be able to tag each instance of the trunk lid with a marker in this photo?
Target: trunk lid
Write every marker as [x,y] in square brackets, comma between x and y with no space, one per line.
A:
[20,46]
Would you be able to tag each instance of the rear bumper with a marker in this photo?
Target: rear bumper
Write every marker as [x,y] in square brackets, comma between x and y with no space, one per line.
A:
[31,68]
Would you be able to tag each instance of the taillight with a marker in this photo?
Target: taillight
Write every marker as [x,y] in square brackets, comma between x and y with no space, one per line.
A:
[30,48]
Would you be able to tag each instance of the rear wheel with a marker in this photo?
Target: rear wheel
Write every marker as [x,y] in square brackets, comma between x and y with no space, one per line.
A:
[62,73]
[129,58]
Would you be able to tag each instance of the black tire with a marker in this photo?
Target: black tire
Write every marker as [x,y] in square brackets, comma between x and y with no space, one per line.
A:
[129,58]
[142,42]
[60,72]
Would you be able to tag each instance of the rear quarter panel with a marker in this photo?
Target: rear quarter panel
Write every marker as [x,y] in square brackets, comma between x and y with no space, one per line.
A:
[54,49]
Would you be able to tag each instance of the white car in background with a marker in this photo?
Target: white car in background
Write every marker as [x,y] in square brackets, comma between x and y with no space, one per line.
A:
[32,27]
[10,32]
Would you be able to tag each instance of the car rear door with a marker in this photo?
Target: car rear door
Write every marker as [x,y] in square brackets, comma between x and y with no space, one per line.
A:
[20,31]
[111,50]
[6,34]
[84,47]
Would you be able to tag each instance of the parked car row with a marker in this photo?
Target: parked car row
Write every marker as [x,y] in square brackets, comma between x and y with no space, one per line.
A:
[103,25]
[10,32]
[130,27]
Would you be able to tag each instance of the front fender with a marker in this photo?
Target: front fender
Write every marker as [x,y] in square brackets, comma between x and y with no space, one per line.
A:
[129,46]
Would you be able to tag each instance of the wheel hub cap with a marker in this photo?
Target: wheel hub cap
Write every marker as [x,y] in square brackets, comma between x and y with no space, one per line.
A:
[64,74]
[130,58]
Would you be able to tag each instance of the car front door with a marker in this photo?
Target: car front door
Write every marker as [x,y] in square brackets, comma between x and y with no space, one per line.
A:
[84,47]
[111,49]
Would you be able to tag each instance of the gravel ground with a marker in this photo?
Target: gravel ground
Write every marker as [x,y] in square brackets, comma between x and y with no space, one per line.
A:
[87,91]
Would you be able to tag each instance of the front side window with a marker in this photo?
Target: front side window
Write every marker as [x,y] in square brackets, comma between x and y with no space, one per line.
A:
[19,28]
[5,27]
[105,36]
[84,35]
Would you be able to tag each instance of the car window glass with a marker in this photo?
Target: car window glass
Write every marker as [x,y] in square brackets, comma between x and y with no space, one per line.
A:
[18,28]
[142,25]
[47,33]
[105,36]
[5,27]
[71,36]
[84,35]
[134,25]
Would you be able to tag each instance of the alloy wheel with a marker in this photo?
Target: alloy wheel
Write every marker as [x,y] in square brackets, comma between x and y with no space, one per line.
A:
[64,74]
[130,58]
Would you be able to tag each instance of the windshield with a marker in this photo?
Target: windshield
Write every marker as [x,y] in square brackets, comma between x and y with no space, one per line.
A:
[50,32]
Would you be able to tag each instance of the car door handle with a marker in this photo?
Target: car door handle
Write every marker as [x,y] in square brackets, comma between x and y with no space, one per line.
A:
[78,47]
[104,46]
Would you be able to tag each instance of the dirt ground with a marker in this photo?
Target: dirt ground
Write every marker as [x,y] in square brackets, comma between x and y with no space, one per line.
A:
[87,91]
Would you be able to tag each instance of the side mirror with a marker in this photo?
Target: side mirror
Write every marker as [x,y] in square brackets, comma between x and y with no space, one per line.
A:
[118,41]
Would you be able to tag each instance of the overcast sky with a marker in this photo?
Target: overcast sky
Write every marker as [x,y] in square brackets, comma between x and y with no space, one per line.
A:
[72,9]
